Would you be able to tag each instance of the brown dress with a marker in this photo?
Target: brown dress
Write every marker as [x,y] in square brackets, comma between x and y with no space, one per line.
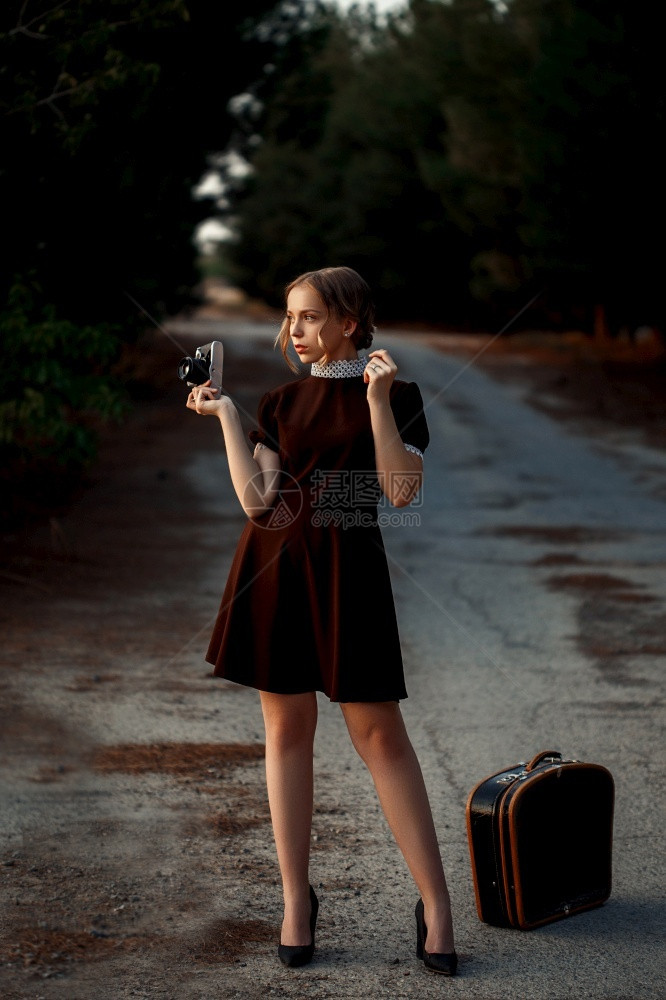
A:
[308,604]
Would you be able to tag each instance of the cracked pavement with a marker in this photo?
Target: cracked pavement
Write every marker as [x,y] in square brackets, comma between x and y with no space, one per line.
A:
[530,600]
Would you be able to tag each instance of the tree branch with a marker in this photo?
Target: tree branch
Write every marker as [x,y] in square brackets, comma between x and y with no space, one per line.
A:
[24,29]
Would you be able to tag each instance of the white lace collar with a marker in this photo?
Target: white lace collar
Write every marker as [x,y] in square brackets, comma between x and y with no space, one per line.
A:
[347,368]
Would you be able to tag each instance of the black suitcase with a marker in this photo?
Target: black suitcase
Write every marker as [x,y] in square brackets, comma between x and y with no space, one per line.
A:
[540,840]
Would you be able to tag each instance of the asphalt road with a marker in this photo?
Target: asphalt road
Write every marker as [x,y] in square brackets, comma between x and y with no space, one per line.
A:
[530,599]
[530,592]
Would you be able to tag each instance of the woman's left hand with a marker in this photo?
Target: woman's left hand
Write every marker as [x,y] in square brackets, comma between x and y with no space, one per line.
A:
[379,373]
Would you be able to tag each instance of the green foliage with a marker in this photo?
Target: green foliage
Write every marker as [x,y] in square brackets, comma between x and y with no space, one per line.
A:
[57,390]
[592,170]
[108,111]
[464,155]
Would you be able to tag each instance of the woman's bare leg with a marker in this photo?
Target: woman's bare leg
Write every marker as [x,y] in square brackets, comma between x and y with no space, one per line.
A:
[290,721]
[378,733]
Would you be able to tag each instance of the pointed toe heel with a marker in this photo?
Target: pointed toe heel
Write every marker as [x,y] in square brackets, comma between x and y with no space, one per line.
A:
[296,955]
[445,963]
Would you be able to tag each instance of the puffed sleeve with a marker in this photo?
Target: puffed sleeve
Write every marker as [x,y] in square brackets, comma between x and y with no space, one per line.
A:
[407,406]
[267,432]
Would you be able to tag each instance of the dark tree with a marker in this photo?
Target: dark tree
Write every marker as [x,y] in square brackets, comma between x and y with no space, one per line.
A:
[592,155]
[109,109]
[464,156]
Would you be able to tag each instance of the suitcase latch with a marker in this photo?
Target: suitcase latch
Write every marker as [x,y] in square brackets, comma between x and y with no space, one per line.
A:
[507,778]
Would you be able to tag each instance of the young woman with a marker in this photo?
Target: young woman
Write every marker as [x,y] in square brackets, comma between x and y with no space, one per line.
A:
[308,604]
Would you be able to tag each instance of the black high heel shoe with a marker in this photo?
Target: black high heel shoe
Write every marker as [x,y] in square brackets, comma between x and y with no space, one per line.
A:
[300,954]
[446,963]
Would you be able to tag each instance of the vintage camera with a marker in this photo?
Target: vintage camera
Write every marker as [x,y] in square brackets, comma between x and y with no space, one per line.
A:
[206,364]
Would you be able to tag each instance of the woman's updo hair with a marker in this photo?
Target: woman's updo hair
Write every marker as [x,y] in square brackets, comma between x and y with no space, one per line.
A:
[345,294]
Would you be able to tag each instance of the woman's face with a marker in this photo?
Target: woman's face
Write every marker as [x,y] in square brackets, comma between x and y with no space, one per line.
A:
[310,326]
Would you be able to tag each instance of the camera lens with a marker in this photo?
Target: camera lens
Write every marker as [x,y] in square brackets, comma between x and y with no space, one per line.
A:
[185,368]
[193,371]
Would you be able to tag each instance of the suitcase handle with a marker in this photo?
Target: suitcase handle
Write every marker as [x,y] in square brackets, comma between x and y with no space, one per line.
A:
[543,755]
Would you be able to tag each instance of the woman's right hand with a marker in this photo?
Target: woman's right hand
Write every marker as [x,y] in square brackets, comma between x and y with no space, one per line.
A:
[206,401]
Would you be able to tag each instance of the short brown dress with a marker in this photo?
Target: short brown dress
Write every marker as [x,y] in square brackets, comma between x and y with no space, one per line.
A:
[308,604]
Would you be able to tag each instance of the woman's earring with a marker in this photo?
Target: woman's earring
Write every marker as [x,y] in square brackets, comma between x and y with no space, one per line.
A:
[348,334]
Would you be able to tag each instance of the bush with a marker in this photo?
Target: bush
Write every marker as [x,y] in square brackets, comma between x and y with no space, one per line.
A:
[57,390]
